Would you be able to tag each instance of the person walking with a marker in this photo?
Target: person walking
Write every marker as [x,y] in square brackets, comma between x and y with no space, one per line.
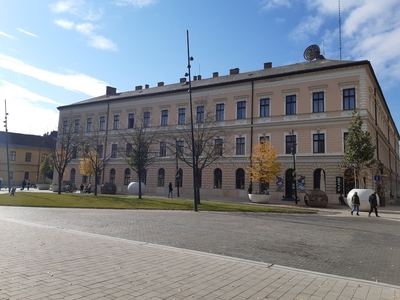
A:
[341,199]
[355,202]
[373,202]
[170,190]
[28,184]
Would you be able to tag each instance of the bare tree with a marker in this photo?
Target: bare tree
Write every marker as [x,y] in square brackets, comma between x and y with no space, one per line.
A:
[65,147]
[137,149]
[211,143]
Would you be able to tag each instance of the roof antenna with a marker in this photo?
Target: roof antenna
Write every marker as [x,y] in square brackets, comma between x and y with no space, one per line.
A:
[340,33]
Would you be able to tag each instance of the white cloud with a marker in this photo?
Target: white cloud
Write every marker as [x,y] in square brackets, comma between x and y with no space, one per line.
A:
[271,4]
[73,81]
[27,32]
[308,26]
[65,24]
[7,35]
[85,28]
[101,42]
[78,8]
[33,118]
[137,3]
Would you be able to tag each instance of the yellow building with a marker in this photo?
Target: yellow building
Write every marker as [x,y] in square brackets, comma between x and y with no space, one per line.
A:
[26,153]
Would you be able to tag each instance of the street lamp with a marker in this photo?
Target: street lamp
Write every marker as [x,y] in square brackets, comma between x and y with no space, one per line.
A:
[294,166]
[191,124]
[7,153]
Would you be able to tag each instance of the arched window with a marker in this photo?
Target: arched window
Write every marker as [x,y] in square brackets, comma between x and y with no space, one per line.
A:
[127,177]
[161,176]
[240,179]
[72,175]
[319,179]
[112,176]
[217,179]
[179,177]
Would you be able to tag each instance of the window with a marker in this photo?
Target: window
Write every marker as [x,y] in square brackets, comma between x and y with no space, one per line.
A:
[217,178]
[74,152]
[116,122]
[100,151]
[114,150]
[291,105]
[89,124]
[264,107]
[161,176]
[220,112]
[218,144]
[65,126]
[200,114]
[84,179]
[11,175]
[76,128]
[164,117]
[182,116]
[240,146]
[240,179]
[146,119]
[318,102]
[26,175]
[72,175]
[241,110]
[319,143]
[129,149]
[345,137]
[163,149]
[131,120]
[349,99]
[127,176]
[144,176]
[28,157]
[179,177]
[13,155]
[264,138]
[112,176]
[180,147]
[290,144]
[102,125]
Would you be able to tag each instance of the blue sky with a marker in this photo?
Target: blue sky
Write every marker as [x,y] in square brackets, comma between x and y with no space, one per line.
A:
[55,53]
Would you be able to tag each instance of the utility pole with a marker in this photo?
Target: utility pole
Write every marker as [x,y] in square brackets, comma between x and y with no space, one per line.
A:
[7,153]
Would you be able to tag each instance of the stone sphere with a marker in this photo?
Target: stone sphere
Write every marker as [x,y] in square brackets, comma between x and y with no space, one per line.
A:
[363,194]
[133,188]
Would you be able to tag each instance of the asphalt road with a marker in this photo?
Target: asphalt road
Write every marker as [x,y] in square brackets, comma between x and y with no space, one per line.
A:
[331,242]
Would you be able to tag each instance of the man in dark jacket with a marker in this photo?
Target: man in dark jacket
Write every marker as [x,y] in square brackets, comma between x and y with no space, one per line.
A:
[374,203]
[355,202]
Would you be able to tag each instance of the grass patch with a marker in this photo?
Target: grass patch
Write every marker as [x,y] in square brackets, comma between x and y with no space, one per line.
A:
[38,199]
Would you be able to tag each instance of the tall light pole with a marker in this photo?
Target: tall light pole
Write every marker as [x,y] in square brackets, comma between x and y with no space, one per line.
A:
[7,153]
[191,124]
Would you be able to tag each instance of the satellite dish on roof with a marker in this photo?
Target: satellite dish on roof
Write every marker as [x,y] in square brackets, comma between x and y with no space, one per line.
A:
[312,52]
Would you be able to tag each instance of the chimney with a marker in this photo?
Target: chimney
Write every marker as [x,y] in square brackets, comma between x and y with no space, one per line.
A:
[194,78]
[161,83]
[138,88]
[268,65]
[234,71]
[198,77]
[111,90]
[146,86]
[182,80]
[215,74]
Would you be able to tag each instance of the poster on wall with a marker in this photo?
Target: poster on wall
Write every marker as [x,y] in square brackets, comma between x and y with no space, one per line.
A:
[279,184]
[339,185]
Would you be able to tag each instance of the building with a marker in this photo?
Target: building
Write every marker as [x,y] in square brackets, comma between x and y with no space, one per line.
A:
[26,153]
[306,106]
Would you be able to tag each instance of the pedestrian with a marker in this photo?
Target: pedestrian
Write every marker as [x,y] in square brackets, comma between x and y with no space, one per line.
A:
[28,184]
[373,202]
[81,188]
[170,190]
[341,199]
[89,187]
[355,202]
[23,184]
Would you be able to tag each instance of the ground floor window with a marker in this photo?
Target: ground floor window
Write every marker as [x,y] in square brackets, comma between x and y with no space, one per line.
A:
[127,177]
[112,176]
[217,179]
[161,176]
[240,179]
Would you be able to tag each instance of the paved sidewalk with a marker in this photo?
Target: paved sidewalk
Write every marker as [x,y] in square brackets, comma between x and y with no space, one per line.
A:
[43,262]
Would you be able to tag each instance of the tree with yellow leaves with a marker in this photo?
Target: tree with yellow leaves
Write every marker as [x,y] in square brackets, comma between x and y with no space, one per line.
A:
[263,165]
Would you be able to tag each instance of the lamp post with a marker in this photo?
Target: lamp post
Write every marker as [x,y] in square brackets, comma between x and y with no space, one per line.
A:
[191,124]
[7,153]
[294,166]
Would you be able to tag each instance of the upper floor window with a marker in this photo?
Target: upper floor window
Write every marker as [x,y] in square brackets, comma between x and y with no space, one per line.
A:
[116,122]
[264,138]
[131,120]
[182,116]
[74,152]
[291,105]
[290,144]
[349,99]
[13,155]
[146,119]
[163,149]
[164,117]
[200,114]
[218,147]
[100,151]
[89,124]
[240,146]
[220,112]
[114,150]
[180,147]
[264,107]
[28,157]
[76,128]
[241,110]
[102,125]
[128,149]
[319,143]
[65,126]
[318,102]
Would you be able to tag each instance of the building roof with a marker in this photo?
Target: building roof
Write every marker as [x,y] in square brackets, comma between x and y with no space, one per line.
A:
[27,140]
[266,73]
